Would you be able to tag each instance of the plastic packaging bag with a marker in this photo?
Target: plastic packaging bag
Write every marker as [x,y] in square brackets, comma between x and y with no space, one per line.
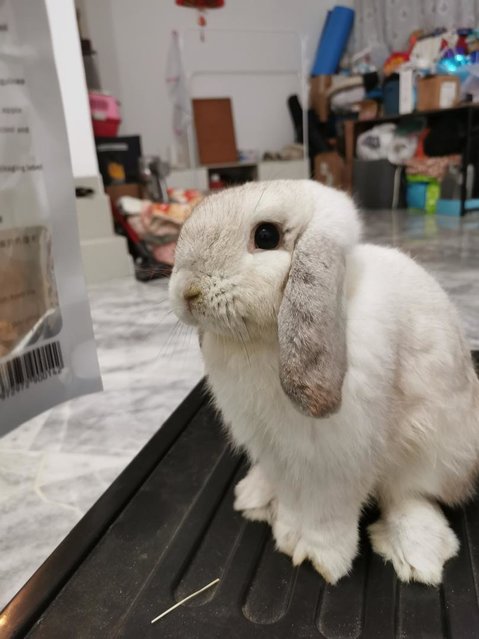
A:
[47,349]
[374,144]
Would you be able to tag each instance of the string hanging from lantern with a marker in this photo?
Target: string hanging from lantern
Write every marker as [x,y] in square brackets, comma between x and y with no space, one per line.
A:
[201,6]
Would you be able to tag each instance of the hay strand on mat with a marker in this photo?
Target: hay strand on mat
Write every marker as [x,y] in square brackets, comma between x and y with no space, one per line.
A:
[180,603]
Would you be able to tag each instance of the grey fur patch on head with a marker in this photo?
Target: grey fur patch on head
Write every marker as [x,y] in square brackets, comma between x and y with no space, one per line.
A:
[311,326]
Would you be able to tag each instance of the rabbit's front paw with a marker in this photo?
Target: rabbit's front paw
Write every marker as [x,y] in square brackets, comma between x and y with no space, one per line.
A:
[285,531]
[332,556]
[254,496]
[416,538]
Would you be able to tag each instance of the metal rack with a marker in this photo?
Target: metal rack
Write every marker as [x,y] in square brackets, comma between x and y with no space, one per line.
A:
[470,112]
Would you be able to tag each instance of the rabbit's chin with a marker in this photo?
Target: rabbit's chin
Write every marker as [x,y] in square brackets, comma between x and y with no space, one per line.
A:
[206,323]
[240,330]
[221,329]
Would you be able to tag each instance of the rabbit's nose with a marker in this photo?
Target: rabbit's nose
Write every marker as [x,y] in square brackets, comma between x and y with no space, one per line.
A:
[192,293]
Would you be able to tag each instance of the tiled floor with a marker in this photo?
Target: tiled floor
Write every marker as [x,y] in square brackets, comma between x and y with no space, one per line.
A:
[53,468]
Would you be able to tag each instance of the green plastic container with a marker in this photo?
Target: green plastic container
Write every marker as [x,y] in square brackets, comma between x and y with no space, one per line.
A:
[422,192]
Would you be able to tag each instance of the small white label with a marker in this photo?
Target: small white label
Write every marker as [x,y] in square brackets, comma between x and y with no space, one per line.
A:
[406,91]
[447,94]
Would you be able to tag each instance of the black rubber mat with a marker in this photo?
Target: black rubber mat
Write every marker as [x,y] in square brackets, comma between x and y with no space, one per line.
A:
[167,527]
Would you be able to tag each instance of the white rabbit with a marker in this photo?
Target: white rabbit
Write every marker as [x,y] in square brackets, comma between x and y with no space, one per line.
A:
[340,368]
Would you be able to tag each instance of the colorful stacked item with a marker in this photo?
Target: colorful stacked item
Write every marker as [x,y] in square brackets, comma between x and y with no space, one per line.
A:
[158,224]
[424,176]
[435,168]
[422,193]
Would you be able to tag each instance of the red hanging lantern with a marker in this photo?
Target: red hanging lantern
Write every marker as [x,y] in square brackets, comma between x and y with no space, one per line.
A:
[201,6]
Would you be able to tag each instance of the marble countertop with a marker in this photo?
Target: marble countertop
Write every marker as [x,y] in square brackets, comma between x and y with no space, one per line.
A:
[54,467]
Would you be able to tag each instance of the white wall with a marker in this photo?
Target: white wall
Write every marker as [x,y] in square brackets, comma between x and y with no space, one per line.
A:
[132,40]
[67,51]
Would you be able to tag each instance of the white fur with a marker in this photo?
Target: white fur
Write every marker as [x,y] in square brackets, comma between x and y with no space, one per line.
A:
[407,431]
[254,496]
[415,536]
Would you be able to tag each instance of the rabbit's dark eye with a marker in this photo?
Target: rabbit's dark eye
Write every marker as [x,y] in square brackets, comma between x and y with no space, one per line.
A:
[266,236]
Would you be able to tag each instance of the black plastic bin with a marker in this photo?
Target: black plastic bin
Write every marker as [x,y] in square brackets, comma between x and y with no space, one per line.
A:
[378,184]
[166,527]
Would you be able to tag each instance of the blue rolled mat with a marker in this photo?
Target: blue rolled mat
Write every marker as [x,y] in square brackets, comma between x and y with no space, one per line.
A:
[333,40]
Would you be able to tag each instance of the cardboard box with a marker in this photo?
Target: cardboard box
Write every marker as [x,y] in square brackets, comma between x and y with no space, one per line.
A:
[215,131]
[116,191]
[319,100]
[329,168]
[437,92]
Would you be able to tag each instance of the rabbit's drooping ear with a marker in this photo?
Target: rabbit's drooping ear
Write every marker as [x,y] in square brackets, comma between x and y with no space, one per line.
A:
[311,325]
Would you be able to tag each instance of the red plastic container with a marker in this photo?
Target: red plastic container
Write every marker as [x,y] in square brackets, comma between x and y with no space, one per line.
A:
[105,114]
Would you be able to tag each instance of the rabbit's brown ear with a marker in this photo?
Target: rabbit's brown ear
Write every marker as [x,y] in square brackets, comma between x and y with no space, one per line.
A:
[311,326]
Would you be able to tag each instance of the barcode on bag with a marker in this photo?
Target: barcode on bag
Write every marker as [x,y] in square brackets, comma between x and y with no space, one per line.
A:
[31,367]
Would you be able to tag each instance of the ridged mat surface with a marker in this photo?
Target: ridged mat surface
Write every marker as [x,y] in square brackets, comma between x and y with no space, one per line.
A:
[179,532]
